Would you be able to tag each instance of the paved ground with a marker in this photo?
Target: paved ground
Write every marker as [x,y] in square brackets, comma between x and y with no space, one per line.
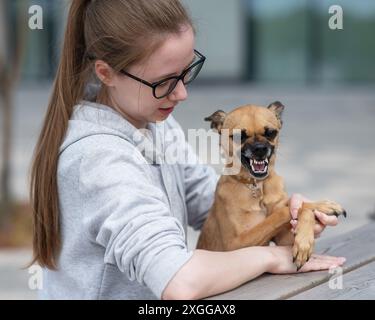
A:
[327,150]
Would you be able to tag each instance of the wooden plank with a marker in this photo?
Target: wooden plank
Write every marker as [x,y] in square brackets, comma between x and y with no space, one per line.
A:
[357,246]
[357,284]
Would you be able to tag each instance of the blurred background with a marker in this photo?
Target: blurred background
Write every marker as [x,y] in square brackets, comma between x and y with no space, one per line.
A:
[257,51]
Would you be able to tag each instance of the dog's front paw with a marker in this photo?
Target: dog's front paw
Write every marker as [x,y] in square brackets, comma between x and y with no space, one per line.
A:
[302,248]
[328,207]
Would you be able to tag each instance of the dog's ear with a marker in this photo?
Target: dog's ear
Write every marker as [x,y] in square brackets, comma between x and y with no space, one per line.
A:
[217,120]
[277,108]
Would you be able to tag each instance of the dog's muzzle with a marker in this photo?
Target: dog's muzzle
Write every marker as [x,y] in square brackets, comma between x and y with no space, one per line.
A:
[255,158]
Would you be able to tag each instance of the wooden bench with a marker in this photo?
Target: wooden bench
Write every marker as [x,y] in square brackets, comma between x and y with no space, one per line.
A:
[358,273]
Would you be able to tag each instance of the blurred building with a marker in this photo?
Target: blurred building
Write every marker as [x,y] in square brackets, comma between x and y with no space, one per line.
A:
[266,41]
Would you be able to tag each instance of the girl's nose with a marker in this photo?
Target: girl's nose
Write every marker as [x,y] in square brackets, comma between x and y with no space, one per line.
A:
[179,93]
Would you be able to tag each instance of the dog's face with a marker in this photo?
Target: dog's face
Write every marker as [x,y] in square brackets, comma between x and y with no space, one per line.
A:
[258,129]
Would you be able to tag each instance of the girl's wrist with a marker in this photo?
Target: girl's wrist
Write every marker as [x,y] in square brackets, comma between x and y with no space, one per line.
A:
[270,259]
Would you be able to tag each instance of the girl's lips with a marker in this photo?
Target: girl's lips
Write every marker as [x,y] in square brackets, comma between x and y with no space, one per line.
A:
[166,111]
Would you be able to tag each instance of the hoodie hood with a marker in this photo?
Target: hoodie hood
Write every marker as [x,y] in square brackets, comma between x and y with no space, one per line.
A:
[91,118]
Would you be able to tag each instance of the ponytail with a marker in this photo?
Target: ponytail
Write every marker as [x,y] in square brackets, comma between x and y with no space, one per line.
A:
[67,90]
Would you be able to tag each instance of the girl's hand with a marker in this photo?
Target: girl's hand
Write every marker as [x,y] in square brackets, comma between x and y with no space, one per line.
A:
[282,261]
[323,220]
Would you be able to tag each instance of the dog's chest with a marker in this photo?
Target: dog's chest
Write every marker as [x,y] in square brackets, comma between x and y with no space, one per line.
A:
[251,216]
[252,200]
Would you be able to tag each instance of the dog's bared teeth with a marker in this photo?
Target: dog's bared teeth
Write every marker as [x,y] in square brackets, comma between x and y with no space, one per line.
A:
[256,162]
[265,161]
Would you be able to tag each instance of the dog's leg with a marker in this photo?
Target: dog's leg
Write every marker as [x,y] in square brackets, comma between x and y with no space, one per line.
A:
[304,239]
[326,206]
[285,237]
[263,232]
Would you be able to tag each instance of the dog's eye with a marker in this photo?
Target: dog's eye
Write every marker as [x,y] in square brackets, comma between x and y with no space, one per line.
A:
[270,133]
[242,136]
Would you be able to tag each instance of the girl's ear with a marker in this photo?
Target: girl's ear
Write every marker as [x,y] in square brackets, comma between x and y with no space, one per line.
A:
[104,72]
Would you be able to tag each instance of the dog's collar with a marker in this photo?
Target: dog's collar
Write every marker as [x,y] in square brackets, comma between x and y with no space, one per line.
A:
[255,186]
[246,181]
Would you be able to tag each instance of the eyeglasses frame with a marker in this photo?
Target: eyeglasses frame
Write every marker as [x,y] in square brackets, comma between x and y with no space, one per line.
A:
[201,60]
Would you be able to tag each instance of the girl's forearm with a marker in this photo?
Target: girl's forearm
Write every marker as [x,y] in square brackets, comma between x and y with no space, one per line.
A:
[209,273]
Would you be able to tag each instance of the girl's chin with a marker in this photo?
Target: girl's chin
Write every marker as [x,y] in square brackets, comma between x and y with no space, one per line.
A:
[161,117]
[157,119]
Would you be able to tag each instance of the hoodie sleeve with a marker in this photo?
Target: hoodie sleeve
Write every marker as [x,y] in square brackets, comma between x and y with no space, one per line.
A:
[200,182]
[128,216]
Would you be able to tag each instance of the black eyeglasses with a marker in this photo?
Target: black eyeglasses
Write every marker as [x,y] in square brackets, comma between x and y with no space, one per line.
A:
[164,87]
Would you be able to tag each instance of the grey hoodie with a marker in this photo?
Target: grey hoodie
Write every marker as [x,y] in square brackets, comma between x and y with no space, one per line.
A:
[123,211]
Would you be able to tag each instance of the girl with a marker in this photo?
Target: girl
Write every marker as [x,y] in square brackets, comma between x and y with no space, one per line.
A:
[105,212]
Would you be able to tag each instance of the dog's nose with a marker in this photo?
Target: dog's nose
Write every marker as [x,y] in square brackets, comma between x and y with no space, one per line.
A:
[259,150]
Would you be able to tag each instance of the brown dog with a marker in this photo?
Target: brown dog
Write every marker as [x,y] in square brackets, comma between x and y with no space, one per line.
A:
[251,207]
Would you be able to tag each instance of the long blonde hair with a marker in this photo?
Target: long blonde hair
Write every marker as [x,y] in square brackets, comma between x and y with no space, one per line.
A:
[120,32]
